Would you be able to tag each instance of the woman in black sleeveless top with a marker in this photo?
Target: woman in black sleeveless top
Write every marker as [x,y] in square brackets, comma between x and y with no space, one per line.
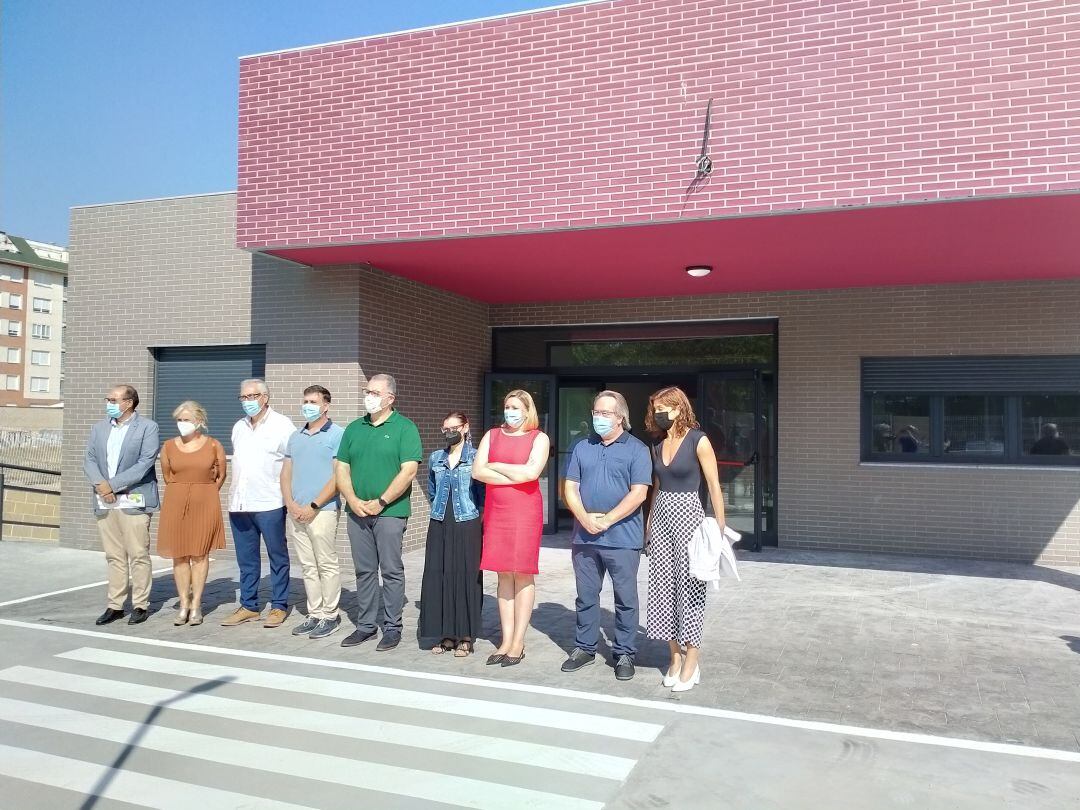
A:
[681,457]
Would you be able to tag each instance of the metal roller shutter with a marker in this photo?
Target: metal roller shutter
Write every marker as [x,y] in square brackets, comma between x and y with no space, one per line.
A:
[210,375]
[958,375]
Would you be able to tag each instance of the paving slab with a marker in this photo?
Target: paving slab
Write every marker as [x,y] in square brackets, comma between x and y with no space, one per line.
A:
[976,650]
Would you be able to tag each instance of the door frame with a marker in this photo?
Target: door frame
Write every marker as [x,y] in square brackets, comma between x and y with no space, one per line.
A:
[753,375]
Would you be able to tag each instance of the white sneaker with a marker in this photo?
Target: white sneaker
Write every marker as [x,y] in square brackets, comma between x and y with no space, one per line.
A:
[686,686]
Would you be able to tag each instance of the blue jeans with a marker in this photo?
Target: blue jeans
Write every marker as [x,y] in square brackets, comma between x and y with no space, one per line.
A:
[621,564]
[246,529]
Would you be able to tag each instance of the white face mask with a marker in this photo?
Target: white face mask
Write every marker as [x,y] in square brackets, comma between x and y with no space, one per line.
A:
[373,404]
[186,428]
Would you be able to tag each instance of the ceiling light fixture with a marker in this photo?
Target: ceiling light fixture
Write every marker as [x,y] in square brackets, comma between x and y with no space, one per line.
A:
[698,270]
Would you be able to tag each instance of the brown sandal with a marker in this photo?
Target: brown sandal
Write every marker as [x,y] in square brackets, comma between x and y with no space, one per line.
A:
[444,646]
[463,649]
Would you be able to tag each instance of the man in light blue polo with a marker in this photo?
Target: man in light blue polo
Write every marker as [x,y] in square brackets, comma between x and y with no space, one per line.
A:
[607,480]
[311,498]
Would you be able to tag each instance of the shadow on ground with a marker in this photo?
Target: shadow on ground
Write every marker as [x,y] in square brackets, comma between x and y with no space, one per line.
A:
[919,565]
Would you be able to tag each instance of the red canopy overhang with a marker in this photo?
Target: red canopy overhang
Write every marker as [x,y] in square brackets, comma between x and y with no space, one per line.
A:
[1000,239]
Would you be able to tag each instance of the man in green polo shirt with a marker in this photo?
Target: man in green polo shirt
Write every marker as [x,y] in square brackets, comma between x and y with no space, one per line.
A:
[376,464]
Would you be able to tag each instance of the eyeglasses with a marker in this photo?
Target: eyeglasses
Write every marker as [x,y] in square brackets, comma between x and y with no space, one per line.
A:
[367,392]
[605,414]
[452,427]
[114,401]
[248,397]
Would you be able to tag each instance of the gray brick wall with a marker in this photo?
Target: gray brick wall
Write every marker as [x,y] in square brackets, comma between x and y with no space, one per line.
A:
[143,274]
[167,272]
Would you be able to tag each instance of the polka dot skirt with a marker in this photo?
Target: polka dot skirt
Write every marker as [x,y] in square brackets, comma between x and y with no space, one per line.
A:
[676,608]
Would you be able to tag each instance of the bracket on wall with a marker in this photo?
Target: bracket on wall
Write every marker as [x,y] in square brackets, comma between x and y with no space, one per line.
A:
[704,162]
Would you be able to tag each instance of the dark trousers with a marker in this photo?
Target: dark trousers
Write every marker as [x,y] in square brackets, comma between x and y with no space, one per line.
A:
[621,564]
[246,529]
[376,549]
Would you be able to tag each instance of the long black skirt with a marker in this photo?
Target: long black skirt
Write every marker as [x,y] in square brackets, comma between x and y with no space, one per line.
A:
[452,593]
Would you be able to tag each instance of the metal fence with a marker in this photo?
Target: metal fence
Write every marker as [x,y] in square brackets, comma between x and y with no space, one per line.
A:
[32,458]
[29,462]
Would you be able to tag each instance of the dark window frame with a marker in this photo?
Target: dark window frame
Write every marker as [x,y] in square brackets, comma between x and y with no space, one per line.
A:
[1013,455]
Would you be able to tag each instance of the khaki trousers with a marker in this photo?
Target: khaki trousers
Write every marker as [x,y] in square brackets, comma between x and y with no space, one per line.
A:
[125,537]
[315,548]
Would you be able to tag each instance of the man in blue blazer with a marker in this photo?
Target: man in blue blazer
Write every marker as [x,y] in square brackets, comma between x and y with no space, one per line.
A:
[119,462]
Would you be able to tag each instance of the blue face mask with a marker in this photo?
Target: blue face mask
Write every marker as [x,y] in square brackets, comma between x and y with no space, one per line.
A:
[251,407]
[310,411]
[112,410]
[603,425]
[513,418]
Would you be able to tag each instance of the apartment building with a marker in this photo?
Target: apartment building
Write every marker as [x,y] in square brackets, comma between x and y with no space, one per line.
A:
[33,290]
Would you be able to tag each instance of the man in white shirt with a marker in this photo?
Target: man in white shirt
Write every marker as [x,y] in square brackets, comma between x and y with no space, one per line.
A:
[256,505]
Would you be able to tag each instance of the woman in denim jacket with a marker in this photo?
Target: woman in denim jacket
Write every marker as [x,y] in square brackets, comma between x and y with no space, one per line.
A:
[452,592]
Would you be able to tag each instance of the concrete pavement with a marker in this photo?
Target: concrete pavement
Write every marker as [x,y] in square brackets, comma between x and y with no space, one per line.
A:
[986,651]
[820,673]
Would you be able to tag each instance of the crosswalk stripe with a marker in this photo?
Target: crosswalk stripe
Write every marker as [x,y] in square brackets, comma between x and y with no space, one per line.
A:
[424,701]
[393,779]
[535,755]
[125,786]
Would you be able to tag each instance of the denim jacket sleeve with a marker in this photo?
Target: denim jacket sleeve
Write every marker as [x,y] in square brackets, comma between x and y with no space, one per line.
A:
[431,477]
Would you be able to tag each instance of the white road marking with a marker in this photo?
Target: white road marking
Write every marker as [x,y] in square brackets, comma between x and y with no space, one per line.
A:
[124,786]
[379,695]
[67,590]
[500,749]
[663,706]
[393,779]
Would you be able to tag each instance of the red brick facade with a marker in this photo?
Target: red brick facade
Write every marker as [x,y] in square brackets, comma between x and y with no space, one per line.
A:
[593,114]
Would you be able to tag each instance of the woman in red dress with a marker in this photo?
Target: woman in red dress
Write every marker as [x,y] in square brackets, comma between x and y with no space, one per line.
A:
[510,460]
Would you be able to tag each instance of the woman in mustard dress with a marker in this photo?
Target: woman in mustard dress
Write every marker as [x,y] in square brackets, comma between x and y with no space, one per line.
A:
[190,527]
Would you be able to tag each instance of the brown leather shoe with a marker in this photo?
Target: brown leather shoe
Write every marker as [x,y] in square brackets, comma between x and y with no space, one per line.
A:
[241,615]
[275,618]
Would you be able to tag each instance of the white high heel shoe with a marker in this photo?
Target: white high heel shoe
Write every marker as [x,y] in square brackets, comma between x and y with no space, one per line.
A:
[670,680]
[686,686]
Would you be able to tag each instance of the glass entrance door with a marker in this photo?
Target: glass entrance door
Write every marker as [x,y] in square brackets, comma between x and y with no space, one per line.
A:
[731,409]
[542,389]
[575,423]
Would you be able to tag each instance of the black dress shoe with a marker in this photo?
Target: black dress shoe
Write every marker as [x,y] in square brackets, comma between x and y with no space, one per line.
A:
[624,668]
[357,637]
[578,658]
[512,660]
[139,615]
[389,640]
[108,616]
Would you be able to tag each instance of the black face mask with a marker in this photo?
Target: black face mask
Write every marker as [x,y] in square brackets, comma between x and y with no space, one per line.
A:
[663,420]
[452,437]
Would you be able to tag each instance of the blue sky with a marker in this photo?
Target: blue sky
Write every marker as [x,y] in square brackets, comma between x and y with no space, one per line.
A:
[109,100]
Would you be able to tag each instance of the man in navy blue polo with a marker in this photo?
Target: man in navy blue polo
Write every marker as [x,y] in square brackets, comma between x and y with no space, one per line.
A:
[607,480]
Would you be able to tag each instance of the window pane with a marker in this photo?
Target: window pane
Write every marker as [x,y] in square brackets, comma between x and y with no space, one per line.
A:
[901,424]
[735,350]
[1050,425]
[734,343]
[975,426]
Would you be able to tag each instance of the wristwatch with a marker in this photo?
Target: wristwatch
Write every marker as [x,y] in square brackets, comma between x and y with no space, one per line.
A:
[383,503]
[315,506]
